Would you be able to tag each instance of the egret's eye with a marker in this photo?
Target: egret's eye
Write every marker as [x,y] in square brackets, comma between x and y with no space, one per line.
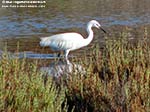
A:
[97,25]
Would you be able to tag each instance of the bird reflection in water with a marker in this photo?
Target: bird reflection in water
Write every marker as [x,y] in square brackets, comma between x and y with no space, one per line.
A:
[62,68]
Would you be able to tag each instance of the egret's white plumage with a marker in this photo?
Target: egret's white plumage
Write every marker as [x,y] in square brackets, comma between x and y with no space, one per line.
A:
[70,41]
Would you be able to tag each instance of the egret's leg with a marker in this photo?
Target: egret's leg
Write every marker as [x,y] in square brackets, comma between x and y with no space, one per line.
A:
[59,55]
[66,54]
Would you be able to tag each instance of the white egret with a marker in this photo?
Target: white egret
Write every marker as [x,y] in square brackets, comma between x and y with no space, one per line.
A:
[70,41]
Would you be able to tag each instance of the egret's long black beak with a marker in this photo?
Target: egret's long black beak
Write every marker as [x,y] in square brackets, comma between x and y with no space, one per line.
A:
[103,30]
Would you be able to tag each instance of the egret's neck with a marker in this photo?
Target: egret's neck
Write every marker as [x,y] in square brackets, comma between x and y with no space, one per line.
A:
[90,35]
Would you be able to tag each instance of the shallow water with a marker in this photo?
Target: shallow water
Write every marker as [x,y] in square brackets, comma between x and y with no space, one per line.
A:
[23,26]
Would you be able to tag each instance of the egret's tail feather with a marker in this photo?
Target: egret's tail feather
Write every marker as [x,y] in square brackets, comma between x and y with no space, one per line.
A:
[44,42]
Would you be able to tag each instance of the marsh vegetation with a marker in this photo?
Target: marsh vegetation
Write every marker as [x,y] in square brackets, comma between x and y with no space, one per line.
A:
[117,79]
